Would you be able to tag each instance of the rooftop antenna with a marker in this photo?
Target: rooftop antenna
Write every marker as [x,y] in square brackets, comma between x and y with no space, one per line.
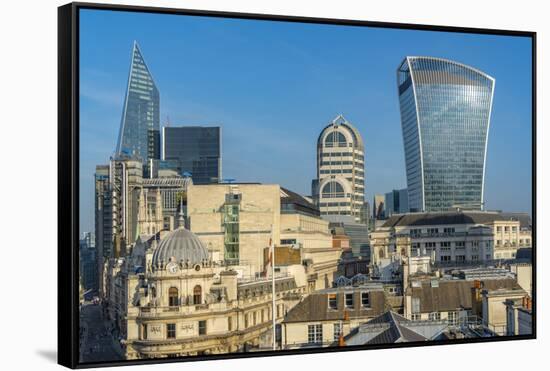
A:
[167,121]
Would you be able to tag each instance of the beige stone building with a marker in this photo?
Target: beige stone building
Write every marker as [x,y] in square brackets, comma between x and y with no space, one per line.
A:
[339,189]
[237,222]
[511,232]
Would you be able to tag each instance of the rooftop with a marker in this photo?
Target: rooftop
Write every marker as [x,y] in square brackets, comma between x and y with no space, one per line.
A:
[456,217]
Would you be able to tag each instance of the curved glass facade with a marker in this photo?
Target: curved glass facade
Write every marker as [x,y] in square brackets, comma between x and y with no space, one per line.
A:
[139,128]
[445,115]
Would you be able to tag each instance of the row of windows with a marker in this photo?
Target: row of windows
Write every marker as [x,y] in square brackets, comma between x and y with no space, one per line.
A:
[174,299]
[336,154]
[507,229]
[171,332]
[433,231]
[315,333]
[348,300]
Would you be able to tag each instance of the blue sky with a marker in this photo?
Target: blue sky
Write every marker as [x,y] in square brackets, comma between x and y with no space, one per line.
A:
[273,86]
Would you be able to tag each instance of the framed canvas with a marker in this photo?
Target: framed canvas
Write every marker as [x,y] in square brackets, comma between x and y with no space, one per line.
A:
[242,185]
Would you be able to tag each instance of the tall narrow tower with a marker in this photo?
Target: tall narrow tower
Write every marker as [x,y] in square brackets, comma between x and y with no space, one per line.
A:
[339,189]
[445,115]
[139,128]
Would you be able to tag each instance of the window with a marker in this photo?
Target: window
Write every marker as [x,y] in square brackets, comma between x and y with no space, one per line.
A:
[263,316]
[333,190]
[415,317]
[202,327]
[433,230]
[448,230]
[460,258]
[514,229]
[445,258]
[254,319]
[144,331]
[332,303]
[170,330]
[349,300]
[499,229]
[430,245]
[434,316]
[315,334]
[246,321]
[475,257]
[415,303]
[335,139]
[365,301]
[197,295]
[498,242]
[230,323]
[173,297]
[337,331]
[415,232]
[452,318]
[506,229]
[446,244]
[460,244]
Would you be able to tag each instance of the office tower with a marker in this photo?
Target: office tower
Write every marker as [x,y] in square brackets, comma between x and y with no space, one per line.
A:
[378,209]
[339,190]
[195,150]
[139,128]
[445,115]
[396,202]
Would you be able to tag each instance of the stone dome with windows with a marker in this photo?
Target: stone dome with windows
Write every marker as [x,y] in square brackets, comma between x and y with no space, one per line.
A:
[180,246]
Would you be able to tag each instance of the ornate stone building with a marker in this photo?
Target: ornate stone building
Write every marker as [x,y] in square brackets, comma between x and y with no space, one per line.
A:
[169,298]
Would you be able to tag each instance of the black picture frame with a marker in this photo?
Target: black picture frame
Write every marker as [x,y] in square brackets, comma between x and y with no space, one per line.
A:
[68,180]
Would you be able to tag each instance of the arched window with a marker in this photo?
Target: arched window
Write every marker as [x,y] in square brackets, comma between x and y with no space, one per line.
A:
[381,253]
[197,295]
[335,139]
[333,190]
[173,297]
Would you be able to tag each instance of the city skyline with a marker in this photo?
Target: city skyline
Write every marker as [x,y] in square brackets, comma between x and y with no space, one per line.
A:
[285,105]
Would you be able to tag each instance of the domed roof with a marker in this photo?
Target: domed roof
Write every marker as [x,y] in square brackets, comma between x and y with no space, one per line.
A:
[180,245]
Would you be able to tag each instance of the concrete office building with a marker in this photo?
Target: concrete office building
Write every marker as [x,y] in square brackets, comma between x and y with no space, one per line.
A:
[339,189]
[237,221]
[445,115]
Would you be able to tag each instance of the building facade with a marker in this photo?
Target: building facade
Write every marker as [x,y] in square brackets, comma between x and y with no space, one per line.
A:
[195,150]
[447,237]
[339,189]
[445,115]
[139,134]
[396,202]
[237,222]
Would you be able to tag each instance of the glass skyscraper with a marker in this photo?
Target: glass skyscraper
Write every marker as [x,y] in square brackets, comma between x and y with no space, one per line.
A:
[139,128]
[195,150]
[445,115]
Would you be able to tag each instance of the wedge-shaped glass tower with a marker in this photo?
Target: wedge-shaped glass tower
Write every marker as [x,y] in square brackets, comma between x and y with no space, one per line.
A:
[139,128]
[445,115]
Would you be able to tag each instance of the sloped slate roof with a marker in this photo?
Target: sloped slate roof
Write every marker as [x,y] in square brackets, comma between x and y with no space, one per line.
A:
[451,295]
[315,307]
[456,217]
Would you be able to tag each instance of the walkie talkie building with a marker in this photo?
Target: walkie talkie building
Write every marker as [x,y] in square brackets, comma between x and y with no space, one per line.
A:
[445,116]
